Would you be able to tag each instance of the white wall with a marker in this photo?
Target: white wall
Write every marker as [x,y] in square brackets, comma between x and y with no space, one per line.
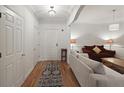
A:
[86,34]
[29,22]
[92,34]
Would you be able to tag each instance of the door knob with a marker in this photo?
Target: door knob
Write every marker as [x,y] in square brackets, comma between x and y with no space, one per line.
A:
[23,54]
[0,14]
[56,44]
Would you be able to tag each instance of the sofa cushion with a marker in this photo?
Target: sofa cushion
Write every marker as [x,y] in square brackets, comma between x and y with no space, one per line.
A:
[97,50]
[101,47]
[107,80]
[101,55]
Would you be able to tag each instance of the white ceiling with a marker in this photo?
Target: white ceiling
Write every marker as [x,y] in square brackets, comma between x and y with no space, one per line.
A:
[100,14]
[62,13]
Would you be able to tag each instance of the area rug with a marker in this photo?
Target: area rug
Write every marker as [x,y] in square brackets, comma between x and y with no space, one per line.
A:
[51,76]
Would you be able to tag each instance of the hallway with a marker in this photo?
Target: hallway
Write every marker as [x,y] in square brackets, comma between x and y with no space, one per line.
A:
[28,34]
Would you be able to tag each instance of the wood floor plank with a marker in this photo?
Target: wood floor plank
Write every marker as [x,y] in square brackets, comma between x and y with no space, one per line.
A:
[68,77]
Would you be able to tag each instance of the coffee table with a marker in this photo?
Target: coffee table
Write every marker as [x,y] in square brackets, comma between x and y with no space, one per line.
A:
[114,63]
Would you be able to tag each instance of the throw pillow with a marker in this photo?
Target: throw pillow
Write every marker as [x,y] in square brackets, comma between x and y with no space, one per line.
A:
[97,50]
[101,47]
[99,69]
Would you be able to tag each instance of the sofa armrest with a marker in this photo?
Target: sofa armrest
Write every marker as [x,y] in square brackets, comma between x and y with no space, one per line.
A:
[100,80]
[110,52]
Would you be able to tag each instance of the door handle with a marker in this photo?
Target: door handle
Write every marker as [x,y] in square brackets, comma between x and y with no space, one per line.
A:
[23,55]
[0,55]
[56,44]
[0,14]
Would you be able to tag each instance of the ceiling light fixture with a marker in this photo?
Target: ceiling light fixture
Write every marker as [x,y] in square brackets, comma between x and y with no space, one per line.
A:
[114,26]
[52,12]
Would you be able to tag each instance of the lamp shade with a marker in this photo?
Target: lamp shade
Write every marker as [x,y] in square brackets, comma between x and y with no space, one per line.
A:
[110,41]
[113,27]
[72,41]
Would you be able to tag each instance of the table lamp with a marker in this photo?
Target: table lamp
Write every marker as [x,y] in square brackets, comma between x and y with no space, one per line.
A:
[109,41]
[72,42]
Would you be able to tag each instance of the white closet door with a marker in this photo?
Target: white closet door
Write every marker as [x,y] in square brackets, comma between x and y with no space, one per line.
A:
[11,48]
[2,78]
[51,44]
[19,50]
[36,50]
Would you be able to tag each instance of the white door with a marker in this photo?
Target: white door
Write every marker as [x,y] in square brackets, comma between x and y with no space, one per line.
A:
[36,48]
[51,44]
[19,49]
[11,34]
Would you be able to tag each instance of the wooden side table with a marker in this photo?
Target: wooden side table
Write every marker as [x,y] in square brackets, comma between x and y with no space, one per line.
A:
[64,55]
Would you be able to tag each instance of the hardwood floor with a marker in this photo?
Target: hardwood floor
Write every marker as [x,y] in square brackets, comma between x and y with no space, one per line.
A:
[68,77]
